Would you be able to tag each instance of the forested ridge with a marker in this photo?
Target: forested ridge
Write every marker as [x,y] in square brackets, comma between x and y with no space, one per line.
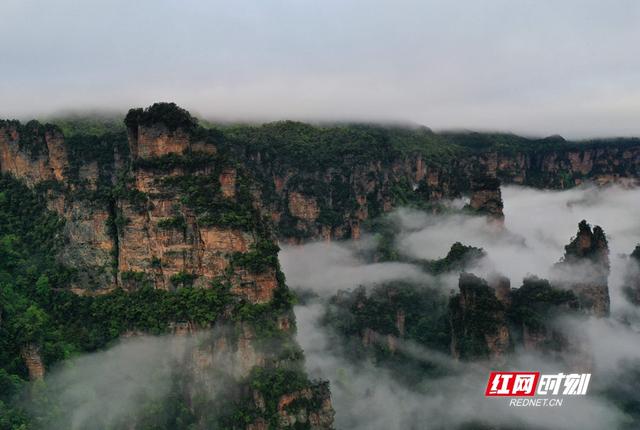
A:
[294,180]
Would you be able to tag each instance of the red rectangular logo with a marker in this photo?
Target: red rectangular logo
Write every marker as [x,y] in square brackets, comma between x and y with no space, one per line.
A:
[512,384]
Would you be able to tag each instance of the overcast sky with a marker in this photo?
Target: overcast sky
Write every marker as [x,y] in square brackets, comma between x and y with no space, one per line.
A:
[540,67]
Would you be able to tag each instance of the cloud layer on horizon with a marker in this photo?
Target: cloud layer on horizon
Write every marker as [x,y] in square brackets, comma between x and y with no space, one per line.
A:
[529,67]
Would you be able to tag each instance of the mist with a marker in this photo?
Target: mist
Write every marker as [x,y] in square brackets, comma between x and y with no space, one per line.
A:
[537,68]
[538,224]
[111,387]
[141,381]
[366,396]
[325,268]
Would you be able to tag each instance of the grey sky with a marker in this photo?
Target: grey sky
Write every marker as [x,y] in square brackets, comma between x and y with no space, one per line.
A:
[538,67]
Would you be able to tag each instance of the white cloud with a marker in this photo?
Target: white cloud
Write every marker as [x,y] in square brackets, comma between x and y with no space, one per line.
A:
[531,67]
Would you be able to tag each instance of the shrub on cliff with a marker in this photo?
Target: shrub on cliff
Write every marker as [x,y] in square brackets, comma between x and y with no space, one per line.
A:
[414,313]
[536,302]
[475,313]
[169,114]
[459,257]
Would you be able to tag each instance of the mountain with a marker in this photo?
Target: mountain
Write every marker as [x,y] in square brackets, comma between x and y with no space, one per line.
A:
[168,227]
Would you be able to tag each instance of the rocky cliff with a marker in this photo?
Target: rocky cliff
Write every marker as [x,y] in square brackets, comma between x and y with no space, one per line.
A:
[172,215]
[585,269]
[478,321]
[32,152]
[491,319]
[324,182]
[172,212]
[163,208]
[632,277]
[486,198]
[33,361]
[483,320]
[318,182]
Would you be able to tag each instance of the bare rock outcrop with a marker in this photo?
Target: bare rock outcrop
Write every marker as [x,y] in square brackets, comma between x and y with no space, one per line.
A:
[295,409]
[585,269]
[175,232]
[33,152]
[33,361]
[486,198]
[478,321]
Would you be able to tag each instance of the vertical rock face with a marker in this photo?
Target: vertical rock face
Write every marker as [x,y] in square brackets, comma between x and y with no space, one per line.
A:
[181,211]
[228,182]
[173,231]
[190,220]
[33,152]
[89,245]
[532,311]
[169,210]
[488,318]
[502,287]
[486,198]
[632,277]
[305,208]
[585,269]
[158,140]
[159,130]
[485,320]
[294,413]
[347,192]
[33,360]
[478,323]
[39,155]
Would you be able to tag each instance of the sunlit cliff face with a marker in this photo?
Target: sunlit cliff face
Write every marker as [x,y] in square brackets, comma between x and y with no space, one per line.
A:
[538,224]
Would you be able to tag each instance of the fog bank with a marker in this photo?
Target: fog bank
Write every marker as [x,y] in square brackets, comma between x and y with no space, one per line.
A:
[538,226]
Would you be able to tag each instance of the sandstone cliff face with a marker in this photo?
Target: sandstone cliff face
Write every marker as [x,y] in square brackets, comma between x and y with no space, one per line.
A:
[502,287]
[293,408]
[161,252]
[33,361]
[228,179]
[151,228]
[33,153]
[566,168]
[585,269]
[486,198]
[158,140]
[39,155]
[165,241]
[490,319]
[328,205]
[331,202]
[305,208]
[89,245]
[307,408]
[188,221]
[220,353]
[175,214]
[478,321]
[485,320]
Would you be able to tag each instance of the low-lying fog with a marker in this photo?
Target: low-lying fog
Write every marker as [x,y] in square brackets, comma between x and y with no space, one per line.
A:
[538,226]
